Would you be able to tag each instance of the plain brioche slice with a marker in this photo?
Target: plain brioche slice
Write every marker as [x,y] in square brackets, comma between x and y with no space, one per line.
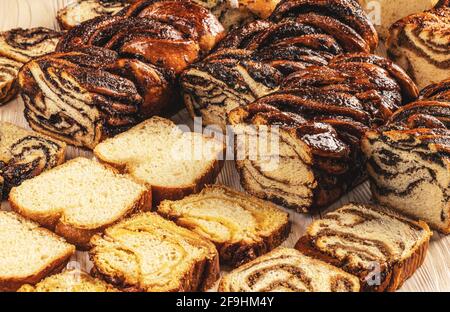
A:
[79,199]
[242,227]
[382,249]
[288,270]
[69,281]
[156,152]
[148,253]
[28,252]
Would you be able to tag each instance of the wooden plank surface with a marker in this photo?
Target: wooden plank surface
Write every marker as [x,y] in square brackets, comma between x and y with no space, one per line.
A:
[434,275]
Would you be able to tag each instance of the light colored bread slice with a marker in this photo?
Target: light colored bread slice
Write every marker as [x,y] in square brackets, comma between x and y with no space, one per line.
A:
[288,270]
[156,152]
[363,239]
[148,253]
[25,154]
[79,199]
[28,252]
[69,281]
[242,227]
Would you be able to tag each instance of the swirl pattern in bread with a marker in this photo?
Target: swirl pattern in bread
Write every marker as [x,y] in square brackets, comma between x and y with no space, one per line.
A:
[112,72]
[420,44]
[409,160]
[249,62]
[17,47]
[318,118]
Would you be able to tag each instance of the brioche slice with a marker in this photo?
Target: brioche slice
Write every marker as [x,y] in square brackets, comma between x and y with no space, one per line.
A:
[156,152]
[288,270]
[242,227]
[383,250]
[25,154]
[28,252]
[149,253]
[79,199]
[69,281]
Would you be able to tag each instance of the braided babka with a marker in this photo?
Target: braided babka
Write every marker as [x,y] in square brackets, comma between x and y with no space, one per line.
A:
[25,154]
[409,160]
[288,270]
[111,72]
[316,120]
[420,43]
[83,10]
[383,250]
[252,60]
[17,47]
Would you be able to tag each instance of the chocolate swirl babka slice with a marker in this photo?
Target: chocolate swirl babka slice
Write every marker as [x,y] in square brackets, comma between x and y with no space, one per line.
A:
[112,72]
[25,154]
[288,270]
[249,62]
[383,250]
[242,227]
[420,44]
[148,253]
[316,120]
[83,10]
[409,160]
[17,47]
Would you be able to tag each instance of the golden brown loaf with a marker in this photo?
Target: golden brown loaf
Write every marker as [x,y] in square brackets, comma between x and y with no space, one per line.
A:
[159,154]
[69,281]
[149,253]
[252,60]
[288,270]
[17,47]
[313,127]
[241,226]
[420,43]
[79,199]
[112,72]
[28,252]
[409,161]
[383,250]
[25,154]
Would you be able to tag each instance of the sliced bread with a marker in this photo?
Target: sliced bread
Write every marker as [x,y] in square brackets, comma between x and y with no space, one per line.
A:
[148,253]
[288,270]
[28,252]
[383,250]
[158,153]
[242,227]
[25,154]
[69,281]
[79,199]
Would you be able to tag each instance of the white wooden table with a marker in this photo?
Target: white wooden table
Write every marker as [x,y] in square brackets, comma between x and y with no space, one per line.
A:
[434,275]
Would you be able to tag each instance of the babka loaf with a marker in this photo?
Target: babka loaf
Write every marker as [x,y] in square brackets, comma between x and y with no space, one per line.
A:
[288,270]
[242,227]
[83,10]
[69,281]
[28,252]
[384,13]
[252,60]
[79,199]
[300,146]
[25,154]
[149,253]
[409,160]
[17,47]
[420,43]
[159,154]
[112,72]
[383,250]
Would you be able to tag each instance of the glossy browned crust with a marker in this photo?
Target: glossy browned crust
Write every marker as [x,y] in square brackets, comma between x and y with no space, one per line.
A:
[393,275]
